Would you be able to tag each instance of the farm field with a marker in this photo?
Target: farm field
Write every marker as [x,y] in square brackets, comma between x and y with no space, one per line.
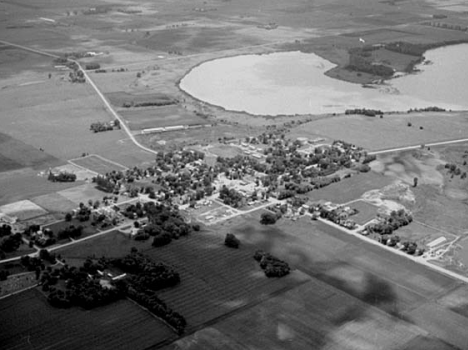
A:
[37,324]
[98,164]
[219,289]
[54,203]
[373,133]
[311,316]
[155,117]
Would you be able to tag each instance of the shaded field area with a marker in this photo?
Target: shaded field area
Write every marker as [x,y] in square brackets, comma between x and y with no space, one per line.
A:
[36,324]
[377,277]
[374,133]
[351,188]
[159,117]
[15,154]
[312,316]
[98,164]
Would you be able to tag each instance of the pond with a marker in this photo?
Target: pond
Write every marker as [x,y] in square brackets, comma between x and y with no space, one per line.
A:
[290,83]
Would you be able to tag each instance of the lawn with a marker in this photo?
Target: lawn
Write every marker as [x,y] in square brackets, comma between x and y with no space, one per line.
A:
[33,323]
[145,118]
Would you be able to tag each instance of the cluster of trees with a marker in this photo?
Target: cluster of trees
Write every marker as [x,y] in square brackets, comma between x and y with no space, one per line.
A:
[364,111]
[148,299]
[71,231]
[390,223]
[11,242]
[272,266]
[231,241]
[80,289]
[77,76]
[146,278]
[146,274]
[360,59]
[321,182]
[454,170]
[5,230]
[158,103]
[106,184]
[369,158]
[231,197]
[92,66]
[427,109]
[63,176]
[268,218]
[100,127]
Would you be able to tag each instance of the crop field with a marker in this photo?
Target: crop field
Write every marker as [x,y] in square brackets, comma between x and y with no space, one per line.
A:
[145,118]
[15,154]
[98,164]
[233,282]
[366,212]
[82,194]
[312,316]
[54,203]
[23,210]
[121,325]
[351,188]
[373,133]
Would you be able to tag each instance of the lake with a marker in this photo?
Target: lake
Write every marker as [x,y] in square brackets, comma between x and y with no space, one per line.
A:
[289,83]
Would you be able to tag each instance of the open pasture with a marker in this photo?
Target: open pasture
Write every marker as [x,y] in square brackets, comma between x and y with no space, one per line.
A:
[145,118]
[351,188]
[374,133]
[54,203]
[82,194]
[98,164]
[36,324]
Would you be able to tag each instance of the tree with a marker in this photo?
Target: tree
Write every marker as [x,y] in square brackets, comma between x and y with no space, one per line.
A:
[415,182]
[68,217]
[268,219]
[231,241]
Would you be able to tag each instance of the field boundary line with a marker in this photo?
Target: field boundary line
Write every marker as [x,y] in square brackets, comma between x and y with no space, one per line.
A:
[82,167]
[407,148]
[72,161]
[19,291]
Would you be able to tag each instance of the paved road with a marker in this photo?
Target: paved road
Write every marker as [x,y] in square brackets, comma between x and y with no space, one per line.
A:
[406,148]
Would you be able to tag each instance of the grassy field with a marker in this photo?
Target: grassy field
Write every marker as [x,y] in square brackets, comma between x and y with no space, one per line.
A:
[54,203]
[366,212]
[373,133]
[98,164]
[351,188]
[145,118]
[36,324]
